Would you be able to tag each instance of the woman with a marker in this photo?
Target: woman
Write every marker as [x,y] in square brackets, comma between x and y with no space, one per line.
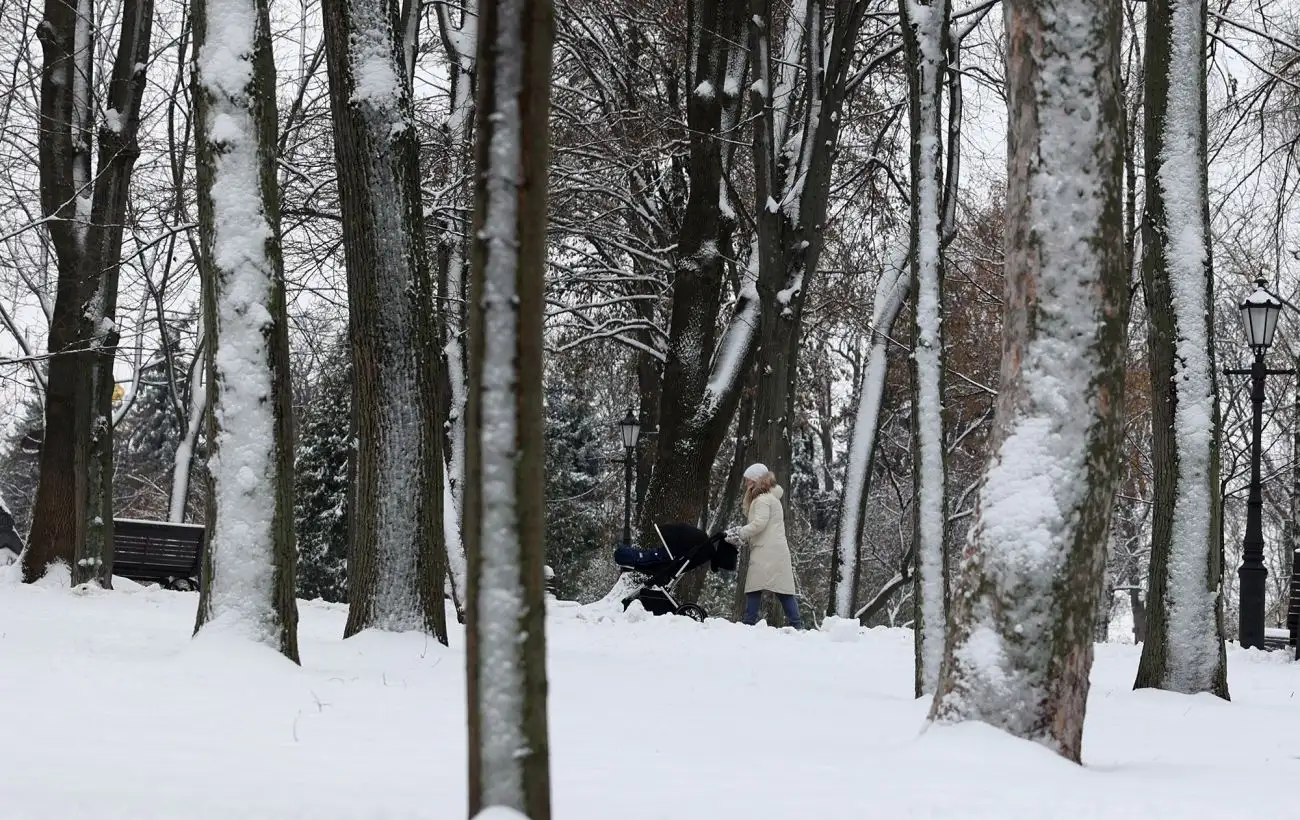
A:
[769,554]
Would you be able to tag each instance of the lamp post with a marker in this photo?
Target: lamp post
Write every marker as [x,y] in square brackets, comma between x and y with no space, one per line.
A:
[630,431]
[1259,313]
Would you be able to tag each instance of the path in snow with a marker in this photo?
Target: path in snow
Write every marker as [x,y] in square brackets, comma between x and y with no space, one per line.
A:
[109,710]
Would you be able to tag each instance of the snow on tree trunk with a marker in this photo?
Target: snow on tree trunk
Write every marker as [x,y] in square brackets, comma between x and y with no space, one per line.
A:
[888,303]
[101,263]
[1184,650]
[248,578]
[183,463]
[1023,609]
[504,519]
[397,556]
[459,42]
[701,371]
[925,40]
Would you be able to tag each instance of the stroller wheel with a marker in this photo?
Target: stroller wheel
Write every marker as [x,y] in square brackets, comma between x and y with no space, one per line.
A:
[693,611]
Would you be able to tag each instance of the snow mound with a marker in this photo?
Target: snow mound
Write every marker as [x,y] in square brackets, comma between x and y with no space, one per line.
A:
[57,576]
[841,630]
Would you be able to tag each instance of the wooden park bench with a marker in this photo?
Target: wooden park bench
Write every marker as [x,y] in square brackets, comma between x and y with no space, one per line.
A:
[158,552]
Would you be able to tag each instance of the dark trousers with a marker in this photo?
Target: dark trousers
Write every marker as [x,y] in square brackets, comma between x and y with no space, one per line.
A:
[753,600]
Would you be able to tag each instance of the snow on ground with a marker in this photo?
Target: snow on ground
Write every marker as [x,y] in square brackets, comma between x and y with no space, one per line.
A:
[108,710]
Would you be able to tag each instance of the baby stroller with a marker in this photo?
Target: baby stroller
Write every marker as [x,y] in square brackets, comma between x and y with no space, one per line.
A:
[683,549]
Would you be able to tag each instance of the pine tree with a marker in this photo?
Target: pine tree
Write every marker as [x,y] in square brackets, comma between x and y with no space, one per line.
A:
[575,522]
[321,480]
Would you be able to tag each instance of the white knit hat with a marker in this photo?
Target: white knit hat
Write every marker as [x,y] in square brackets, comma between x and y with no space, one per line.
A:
[756,471]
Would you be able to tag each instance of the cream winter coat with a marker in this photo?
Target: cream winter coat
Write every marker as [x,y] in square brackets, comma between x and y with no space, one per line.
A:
[769,553]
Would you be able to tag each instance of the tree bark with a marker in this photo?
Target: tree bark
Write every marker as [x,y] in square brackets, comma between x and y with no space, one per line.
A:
[926,44]
[1184,647]
[845,558]
[504,500]
[397,560]
[452,238]
[1021,645]
[101,263]
[692,410]
[58,530]
[248,567]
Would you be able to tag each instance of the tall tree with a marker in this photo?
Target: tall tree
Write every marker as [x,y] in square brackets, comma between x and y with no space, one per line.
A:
[73,513]
[505,515]
[459,38]
[703,370]
[797,102]
[1184,647]
[891,291]
[397,559]
[1021,645]
[248,577]
[926,44]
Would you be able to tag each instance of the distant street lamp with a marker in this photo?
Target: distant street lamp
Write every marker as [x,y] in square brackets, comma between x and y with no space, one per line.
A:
[1259,314]
[630,431]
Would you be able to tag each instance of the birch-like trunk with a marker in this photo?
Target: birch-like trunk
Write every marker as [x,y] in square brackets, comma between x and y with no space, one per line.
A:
[1184,649]
[183,463]
[925,41]
[59,509]
[248,577]
[101,263]
[397,559]
[1021,645]
[459,37]
[888,304]
[509,757]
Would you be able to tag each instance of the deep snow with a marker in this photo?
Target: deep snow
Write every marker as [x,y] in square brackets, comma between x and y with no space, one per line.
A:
[108,709]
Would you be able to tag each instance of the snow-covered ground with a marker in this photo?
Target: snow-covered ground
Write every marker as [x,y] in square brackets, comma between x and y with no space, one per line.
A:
[109,710]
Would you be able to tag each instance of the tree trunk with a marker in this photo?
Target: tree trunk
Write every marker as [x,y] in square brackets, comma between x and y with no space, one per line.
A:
[101,263]
[890,293]
[59,510]
[504,500]
[397,560]
[796,105]
[1022,614]
[1184,648]
[695,405]
[248,568]
[452,236]
[926,43]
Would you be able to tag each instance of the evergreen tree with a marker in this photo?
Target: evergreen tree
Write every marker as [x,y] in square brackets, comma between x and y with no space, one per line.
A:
[321,476]
[576,525]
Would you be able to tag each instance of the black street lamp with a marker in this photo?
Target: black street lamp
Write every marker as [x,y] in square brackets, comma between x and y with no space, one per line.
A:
[630,431]
[1259,314]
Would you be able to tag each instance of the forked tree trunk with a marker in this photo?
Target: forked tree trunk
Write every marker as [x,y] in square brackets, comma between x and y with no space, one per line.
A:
[1184,647]
[248,577]
[1022,613]
[509,757]
[101,263]
[694,404]
[926,43]
[397,560]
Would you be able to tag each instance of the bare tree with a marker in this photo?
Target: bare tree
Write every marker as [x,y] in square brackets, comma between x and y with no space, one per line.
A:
[396,557]
[248,578]
[926,43]
[509,756]
[1184,648]
[1021,645]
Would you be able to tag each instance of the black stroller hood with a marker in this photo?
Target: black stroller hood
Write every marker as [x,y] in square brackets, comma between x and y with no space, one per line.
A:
[680,544]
